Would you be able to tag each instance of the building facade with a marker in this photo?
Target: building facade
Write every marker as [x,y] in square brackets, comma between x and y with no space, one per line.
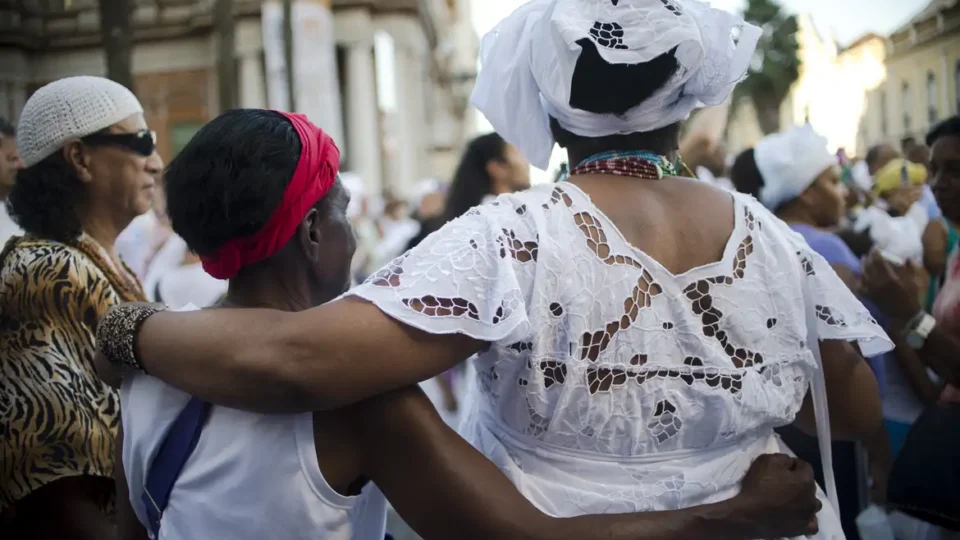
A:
[876,90]
[830,93]
[432,55]
[922,83]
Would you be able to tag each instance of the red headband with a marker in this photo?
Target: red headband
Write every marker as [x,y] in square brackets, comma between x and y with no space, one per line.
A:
[315,174]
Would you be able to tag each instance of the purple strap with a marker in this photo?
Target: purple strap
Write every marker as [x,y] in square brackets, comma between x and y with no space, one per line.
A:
[176,448]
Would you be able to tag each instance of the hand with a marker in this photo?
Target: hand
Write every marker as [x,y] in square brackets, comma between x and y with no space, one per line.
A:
[780,494]
[108,373]
[895,289]
[950,394]
[902,199]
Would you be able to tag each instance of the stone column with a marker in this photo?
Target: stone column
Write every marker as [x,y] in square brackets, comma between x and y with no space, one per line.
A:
[945,77]
[362,127]
[253,95]
[412,125]
[13,83]
[18,98]
[6,101]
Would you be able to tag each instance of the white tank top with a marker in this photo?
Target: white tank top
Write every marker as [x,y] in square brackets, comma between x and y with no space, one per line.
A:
[251,476]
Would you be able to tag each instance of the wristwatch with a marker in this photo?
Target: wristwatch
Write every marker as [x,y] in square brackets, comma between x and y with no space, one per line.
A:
[918,330]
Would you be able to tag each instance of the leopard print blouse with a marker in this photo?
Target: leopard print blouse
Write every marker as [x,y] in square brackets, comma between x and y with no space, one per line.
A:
[57,418]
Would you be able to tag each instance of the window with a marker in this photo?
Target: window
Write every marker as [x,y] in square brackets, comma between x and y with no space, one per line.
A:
[180,135]
[905,107]
[883,114]
[931,98]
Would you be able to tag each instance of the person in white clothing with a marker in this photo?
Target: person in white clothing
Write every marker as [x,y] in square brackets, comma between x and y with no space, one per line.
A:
[10,163]
[306,475]
[141,241]
[638,335]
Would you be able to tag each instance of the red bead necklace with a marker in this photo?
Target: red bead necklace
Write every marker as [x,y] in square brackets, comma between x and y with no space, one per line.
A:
[621,166]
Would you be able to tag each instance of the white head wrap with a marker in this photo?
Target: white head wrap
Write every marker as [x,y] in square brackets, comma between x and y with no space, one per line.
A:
[789,162]
[529,58]
[67,109]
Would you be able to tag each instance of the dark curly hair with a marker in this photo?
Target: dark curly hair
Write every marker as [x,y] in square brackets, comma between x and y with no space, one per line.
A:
[227,181]
[45,197]
[745,174]
[949,127]
[602,88]
[472,182]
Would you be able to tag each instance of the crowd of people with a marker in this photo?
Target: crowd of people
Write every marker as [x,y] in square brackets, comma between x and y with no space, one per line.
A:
[667,342]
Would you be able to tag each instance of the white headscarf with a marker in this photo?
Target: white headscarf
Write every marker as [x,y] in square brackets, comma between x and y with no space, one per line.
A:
[521,85]
[789,162]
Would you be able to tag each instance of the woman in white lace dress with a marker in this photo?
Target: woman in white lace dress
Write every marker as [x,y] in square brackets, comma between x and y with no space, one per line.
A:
[639,335]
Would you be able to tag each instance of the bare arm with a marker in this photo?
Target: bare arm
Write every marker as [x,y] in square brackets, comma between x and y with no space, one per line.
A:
[128,526]
[846,275]
[405,442]
[942,353]
[268,361]
[856,412]
[935,248]
[915,372]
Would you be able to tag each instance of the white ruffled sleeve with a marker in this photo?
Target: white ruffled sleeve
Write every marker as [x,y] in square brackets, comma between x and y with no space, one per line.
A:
[840,314]
[469,277]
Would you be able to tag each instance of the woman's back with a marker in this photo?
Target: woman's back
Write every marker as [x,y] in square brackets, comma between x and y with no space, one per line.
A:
[680,223]
[606,365]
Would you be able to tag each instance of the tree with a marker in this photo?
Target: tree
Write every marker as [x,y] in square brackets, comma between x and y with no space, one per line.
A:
[116,33]
[776,65]
[224,26]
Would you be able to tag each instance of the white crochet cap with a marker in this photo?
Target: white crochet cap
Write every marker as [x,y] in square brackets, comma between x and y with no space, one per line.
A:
[68,109]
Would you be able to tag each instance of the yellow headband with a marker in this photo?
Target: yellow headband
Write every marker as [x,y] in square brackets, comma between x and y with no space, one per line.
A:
[897,173]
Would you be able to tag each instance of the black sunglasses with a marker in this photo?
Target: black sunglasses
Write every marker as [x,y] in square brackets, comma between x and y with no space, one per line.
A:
[143,142]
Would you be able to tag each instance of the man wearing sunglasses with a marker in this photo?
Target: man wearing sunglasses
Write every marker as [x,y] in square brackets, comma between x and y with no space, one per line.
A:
[89,168]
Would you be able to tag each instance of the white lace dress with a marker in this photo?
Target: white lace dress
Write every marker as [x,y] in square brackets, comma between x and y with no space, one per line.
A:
[611,385]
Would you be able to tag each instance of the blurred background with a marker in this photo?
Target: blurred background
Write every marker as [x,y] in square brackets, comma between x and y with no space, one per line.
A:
[391,79]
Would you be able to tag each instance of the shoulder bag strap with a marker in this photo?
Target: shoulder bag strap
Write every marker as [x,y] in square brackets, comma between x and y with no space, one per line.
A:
[174,451]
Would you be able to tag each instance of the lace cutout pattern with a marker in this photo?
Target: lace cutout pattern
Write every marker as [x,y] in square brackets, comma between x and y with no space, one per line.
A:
[594,347]
[594,343]
[672,7]
[710,316]
[608,35]
[605,379]
[519,250]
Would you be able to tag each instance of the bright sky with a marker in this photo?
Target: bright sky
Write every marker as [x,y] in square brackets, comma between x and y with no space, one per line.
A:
[844,20]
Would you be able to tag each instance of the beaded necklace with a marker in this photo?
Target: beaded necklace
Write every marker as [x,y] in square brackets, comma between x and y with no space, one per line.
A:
[123,279]
[635,163]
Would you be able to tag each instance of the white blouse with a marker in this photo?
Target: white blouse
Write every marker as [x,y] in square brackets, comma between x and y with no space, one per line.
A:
[251,476]
[610,384]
